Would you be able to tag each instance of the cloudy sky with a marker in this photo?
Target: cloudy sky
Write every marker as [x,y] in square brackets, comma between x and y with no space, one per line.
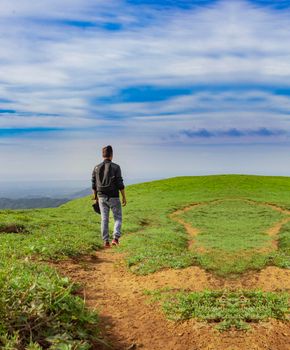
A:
[177,87]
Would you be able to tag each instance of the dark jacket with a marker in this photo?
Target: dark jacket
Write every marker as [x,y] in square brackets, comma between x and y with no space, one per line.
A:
[118,180]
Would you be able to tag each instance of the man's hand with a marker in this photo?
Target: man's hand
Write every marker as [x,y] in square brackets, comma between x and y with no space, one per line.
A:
[94,197]
[124,201]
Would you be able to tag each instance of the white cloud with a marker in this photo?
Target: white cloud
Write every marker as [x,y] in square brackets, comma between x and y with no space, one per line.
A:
[54,9]
[48,67]
[231,42]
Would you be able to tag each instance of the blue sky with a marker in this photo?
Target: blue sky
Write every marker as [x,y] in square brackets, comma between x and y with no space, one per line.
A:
[177,87]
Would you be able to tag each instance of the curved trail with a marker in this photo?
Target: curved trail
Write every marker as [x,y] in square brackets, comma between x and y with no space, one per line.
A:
[191,231]
[273,231]
[128,321]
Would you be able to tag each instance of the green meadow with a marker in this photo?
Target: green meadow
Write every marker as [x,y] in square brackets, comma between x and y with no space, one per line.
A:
[231,232]
[231,229]
[41,309]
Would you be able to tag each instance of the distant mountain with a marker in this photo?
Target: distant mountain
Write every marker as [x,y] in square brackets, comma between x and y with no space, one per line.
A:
[82,193]
[49,195]
[40,189]
[31,203]
[40,202]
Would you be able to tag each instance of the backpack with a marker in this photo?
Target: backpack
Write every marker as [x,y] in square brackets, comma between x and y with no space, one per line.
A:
[105,179]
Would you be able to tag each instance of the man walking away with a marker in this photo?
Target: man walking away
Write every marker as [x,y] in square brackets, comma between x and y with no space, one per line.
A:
[106,183]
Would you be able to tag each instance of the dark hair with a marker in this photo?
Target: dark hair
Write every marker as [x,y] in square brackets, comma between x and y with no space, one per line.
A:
[107,151]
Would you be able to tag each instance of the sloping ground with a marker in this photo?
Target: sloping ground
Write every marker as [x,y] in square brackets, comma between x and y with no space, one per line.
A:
[129,321]
[152,242]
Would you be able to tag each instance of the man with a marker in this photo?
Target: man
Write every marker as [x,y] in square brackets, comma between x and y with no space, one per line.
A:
[106,183]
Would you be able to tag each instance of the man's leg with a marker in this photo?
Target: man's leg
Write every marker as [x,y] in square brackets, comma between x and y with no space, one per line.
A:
[116,207]
[105,211]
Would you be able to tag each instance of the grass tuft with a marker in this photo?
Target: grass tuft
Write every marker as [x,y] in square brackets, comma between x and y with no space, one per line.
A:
[226,309]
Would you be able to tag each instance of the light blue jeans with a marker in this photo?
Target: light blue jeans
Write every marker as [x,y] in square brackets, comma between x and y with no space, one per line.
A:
[115,205]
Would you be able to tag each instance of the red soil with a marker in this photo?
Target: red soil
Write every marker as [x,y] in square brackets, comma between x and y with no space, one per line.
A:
[129,321]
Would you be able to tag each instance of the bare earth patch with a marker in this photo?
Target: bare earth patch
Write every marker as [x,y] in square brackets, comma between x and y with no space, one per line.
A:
[12,228]
[129,321]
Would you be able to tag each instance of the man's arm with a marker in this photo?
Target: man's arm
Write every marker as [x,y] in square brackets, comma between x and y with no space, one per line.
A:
[95,196]
[121,186]
[124,200]
[94,187]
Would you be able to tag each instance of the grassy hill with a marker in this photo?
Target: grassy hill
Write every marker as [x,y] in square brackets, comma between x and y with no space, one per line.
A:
[232,224]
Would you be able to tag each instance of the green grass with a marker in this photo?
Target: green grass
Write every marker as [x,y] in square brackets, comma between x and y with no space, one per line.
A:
[232,225]
[69,230]
[39,310]
[231,231]
[151,241]
[226,309]
[162,243]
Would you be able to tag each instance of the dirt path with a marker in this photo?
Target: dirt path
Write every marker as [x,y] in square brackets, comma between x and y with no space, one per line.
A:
[193,231]
[128,321]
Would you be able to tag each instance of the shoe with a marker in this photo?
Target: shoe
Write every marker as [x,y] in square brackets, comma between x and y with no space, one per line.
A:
[107,244]
[115,241]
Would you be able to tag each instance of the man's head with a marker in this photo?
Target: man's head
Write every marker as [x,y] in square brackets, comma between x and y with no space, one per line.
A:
[107,152]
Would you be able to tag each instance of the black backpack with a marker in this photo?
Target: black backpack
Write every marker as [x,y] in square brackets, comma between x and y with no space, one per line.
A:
[105,179]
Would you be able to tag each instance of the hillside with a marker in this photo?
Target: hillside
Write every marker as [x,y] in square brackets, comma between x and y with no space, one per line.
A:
[30,203]
[182,236]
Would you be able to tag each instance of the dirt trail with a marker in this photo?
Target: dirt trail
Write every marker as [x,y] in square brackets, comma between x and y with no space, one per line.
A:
[128,321]
[191,231]
[273,231]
